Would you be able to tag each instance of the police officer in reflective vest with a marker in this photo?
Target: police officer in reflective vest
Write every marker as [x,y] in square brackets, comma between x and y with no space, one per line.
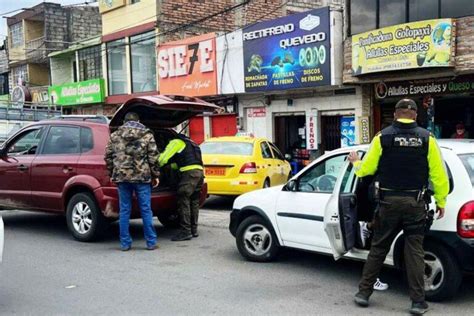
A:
[186,154]
[404,157]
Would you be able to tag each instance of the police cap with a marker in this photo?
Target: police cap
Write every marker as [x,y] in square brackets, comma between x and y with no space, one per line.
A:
[131,116]
[406,104]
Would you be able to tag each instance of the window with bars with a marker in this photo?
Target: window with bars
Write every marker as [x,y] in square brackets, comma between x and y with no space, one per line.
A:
[90,63]
[16,34]
[19,75]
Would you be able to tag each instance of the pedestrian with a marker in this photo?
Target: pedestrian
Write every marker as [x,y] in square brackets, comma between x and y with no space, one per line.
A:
[131,155]
[461,132]
[186,156]
[404,157]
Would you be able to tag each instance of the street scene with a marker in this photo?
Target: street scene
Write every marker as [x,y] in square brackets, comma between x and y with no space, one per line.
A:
[198,157]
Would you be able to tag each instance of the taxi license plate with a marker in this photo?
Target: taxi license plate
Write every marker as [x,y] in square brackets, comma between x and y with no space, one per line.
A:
[215,171]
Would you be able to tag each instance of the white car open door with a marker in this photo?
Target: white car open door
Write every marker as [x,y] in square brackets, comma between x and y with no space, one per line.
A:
[340,216]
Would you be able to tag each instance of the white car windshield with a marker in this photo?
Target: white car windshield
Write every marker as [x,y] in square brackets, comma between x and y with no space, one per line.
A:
[227,148]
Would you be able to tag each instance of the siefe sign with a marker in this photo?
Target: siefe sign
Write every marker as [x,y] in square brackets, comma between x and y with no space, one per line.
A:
[188,67]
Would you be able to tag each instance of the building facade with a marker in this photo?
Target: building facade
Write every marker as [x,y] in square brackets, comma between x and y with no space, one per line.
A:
[417,49]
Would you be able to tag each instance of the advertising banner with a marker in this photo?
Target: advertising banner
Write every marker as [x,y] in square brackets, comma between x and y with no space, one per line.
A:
[364,130]
[289,52]
[312,121]
[406,46]
[347,131]
[84,92]
[188,67]
[462,84]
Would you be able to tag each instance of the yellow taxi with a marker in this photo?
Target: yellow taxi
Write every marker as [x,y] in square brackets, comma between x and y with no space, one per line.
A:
[234,165]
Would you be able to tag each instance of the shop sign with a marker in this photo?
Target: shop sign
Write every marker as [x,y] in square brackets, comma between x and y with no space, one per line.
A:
[39,94]
[347,131]
[19,96]
[364,130]
[289,52]
[108,5]
[84,92]
[257,112]
[188,67]
[312,130]
[406,46]
[463,84]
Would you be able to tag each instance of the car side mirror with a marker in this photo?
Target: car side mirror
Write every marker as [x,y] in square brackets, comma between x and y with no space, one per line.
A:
[3,152]
[292,186]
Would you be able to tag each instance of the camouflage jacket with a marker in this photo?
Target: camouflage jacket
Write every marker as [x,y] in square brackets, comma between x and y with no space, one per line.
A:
[131,154]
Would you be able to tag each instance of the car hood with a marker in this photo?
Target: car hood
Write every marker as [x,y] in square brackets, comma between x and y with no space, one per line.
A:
[162,111]
[259,198]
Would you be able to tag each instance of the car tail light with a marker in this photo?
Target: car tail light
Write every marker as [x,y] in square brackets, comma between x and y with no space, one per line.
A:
[249,167]
[466,220]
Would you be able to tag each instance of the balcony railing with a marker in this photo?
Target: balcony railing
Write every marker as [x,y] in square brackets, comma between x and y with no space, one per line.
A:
[36,49]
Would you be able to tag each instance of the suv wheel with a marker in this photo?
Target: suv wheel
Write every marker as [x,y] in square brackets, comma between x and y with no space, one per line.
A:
[442,273]
[169,220]
[84,218]
[256,240]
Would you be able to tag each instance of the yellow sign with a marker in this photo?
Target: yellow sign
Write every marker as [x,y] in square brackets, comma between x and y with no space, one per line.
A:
[108,5]
[406,46]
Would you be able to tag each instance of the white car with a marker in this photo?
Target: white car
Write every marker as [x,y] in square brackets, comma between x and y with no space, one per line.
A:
[1,239]
[320,208]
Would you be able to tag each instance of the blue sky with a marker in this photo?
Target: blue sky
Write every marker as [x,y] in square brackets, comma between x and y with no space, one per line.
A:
[10,5]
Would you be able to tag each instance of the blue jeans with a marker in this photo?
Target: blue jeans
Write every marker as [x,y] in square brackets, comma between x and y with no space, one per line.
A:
[143,193]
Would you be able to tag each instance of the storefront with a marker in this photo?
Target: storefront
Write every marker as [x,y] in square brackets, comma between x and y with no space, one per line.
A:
[292,79]
[428,61]
[443,103]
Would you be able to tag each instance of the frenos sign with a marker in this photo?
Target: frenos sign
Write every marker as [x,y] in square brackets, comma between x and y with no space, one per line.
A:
[188,67]
[289,52]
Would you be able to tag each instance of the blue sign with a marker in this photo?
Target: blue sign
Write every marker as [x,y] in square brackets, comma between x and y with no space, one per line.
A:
[347,131]
[289,52]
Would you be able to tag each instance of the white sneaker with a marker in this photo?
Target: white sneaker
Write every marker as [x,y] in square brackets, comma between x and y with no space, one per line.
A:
[380,286]
[364,232]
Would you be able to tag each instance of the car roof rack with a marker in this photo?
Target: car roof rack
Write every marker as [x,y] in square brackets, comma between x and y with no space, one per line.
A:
[91,118]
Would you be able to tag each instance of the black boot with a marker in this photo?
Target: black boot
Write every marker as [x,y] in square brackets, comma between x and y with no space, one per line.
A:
[418,308]
[182,235]
[195,233]
[361,300]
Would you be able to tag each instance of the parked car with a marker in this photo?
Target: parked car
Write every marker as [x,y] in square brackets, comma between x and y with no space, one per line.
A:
[238,164]
[58,165]
[319,210]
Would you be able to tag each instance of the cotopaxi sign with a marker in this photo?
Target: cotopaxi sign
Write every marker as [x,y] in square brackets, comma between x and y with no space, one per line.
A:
[84,92]
[406,46]
[463,84]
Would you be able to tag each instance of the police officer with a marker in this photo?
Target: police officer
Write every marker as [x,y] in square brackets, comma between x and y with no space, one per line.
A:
[186,154]
[404,157]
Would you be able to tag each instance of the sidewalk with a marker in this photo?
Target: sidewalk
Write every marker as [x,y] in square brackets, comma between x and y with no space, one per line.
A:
[218,219]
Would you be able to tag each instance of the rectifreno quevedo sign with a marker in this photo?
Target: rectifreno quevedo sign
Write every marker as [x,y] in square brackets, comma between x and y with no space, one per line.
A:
[289,52]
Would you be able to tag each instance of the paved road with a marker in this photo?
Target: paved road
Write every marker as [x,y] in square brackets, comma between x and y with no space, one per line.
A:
[46,272]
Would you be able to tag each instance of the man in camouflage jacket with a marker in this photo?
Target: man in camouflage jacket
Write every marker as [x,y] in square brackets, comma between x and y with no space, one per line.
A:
[130,157]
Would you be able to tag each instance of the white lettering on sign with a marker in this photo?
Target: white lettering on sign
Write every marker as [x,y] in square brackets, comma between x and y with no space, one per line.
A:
[312,131]
[182,60]
[275,30]
[300,40]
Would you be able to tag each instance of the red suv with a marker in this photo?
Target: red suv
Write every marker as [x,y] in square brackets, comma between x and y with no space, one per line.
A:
[58,165]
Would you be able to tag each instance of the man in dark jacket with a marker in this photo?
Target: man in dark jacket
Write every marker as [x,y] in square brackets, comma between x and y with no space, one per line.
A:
[186,154]
[130,157]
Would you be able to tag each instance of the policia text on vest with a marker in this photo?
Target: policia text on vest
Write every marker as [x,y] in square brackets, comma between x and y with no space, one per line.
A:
[404,157]
[184,154]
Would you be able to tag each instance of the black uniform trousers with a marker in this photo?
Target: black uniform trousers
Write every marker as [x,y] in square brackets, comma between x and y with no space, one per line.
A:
[189,195]
[397,213]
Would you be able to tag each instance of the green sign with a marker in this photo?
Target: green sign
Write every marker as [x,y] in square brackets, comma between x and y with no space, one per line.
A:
[84,92]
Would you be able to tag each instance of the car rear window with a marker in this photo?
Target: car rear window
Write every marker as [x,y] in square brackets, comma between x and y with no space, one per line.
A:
[468,161]
[227,148]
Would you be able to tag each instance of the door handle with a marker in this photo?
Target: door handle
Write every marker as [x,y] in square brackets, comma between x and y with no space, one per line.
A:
[22,168]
